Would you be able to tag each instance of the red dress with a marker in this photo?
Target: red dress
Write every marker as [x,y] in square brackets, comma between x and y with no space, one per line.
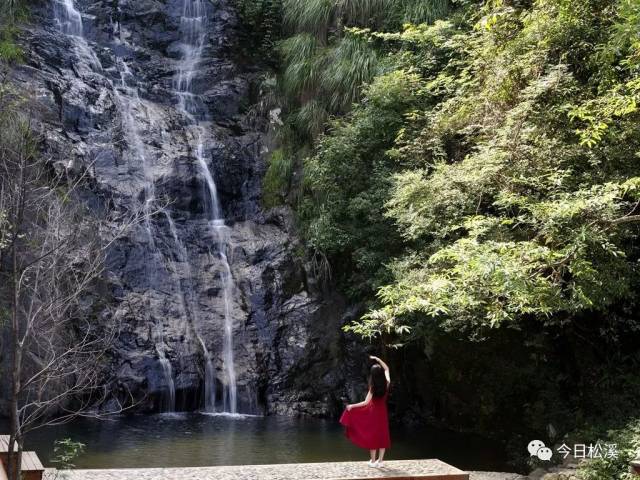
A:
[368,426]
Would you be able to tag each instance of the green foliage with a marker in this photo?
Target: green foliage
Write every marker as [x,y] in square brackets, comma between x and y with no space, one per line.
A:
[361,12]
[350,66]
[10,52]
[419,11]
[627,441]
[476,177]
[65,452]
[312,16]
[330,56]
[261,22]
[276,180]
[618,62]
[512,220]
[330,78]
[310,118]
[13,12]
[348,179]
[304,65]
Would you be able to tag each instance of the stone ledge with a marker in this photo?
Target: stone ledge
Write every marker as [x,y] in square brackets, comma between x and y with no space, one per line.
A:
[496,476]
[398,470]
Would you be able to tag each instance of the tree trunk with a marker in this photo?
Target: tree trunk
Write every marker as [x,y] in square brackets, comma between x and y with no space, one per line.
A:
[15,460]
[14,464]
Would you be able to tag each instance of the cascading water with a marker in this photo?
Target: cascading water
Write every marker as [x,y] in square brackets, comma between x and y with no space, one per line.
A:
[188,305]
[131,109]
[69,21]
[68,18]
[196,299]
[192,27]
[127,102]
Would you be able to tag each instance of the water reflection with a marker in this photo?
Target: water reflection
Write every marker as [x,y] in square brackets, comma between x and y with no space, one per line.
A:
[180,440]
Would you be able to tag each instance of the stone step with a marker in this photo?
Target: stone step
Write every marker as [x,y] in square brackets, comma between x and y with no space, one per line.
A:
[398,470]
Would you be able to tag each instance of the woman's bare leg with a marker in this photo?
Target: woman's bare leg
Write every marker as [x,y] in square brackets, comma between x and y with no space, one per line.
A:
[381,454]
[372,453]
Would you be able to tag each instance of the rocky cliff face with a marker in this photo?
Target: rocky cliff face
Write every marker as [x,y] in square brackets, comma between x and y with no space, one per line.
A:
[106,104]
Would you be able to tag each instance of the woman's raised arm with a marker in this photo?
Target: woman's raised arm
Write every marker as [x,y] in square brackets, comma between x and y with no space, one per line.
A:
[383,365]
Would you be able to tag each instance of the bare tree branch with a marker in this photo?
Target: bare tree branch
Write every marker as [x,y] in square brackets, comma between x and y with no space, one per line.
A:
[52,256]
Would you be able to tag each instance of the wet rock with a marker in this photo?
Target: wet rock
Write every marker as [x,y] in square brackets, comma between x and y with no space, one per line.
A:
[107,107]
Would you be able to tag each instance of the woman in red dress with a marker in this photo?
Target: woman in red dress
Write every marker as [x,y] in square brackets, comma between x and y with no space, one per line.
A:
[367,423]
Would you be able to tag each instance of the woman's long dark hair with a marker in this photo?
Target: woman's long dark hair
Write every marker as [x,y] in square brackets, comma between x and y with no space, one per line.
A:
[377,381]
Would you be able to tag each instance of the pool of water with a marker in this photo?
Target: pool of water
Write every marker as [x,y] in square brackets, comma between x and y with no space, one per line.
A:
[194,439]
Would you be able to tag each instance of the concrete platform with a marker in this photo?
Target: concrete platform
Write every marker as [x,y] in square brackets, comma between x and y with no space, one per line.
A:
[496,476]
[398,470]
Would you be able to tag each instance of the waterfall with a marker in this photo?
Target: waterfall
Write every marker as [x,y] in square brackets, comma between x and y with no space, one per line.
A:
[192,28]
[68,18]
[133,113]
[169,401]
[69,22]
[126,107]
[189,307]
